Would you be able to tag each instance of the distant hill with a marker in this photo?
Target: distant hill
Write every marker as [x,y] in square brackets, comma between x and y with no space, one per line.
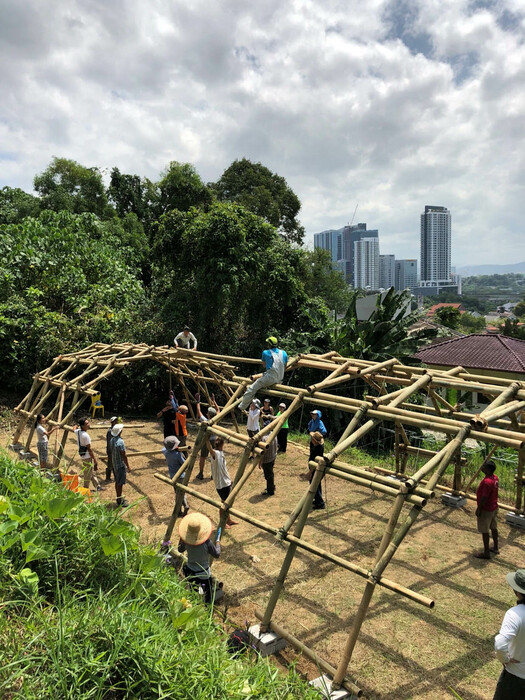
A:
[470,270]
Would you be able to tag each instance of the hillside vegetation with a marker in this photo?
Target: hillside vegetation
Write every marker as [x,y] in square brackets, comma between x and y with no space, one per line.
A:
[88,613]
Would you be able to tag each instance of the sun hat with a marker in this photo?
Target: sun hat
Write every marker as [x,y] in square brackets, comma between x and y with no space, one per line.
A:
[272,340]
[183,408]
[195,528]
[114,419]
[282,405]
[117,429]
[517,580]
[211,411]
[317,437]
[171,442]
[266,400]
[257,403]
[314,412]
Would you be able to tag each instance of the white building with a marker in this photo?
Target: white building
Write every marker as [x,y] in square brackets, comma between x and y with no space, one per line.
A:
[366,263]
[387,271]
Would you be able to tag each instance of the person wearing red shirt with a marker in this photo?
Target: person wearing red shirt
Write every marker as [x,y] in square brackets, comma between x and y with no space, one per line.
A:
[487,510]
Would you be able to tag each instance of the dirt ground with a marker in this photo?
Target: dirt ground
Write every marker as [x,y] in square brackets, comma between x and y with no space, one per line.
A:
[405,651]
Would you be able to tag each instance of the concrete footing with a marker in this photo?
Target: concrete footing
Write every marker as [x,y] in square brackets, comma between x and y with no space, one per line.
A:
[266,643]
[448,499]
[515,519]
[324,685]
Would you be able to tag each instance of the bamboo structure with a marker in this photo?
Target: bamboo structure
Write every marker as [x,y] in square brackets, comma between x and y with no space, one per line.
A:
[393,388]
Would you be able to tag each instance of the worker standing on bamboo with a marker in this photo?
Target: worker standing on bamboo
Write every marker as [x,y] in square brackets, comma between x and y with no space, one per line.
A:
[274,361]
[487,510]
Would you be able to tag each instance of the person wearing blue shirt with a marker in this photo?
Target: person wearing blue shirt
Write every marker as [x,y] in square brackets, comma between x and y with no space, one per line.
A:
[274,362]
[315,424]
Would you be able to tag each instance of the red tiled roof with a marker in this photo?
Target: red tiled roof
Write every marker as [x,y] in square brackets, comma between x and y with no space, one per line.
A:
[442,305]
[477,351]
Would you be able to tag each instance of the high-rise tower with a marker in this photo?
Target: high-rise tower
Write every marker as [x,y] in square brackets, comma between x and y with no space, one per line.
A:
[435,247]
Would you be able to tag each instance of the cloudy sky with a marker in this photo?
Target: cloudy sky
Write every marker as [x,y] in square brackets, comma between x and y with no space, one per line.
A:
[384,104]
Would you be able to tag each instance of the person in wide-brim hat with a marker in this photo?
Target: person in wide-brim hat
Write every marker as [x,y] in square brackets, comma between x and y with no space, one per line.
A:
[195,528]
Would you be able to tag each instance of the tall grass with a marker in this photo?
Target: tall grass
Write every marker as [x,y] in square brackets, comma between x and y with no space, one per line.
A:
[88,614]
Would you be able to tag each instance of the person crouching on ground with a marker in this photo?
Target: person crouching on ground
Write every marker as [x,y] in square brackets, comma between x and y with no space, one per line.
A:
[42,434]
[219,473]
[487,510]
[120,462]
[194,532]
[175,460]
[86,454]
[268,459]
[509,644]
[316,450]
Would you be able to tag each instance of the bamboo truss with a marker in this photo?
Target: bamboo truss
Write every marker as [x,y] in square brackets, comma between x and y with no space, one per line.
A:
[392,389]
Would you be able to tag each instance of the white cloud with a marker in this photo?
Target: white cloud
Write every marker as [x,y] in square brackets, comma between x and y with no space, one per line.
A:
[390,103]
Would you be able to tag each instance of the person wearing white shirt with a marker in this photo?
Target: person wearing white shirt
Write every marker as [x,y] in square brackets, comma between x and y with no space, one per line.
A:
[182,340]
[510,644]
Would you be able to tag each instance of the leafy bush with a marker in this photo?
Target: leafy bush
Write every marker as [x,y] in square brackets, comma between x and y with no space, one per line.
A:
[88,613]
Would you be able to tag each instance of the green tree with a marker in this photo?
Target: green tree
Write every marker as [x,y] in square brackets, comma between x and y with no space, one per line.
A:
[519,309]
[321,280]
[65,280]
[15,205]
[227,272]
[180,187]
[65,185]
[513,329]
[471,324]
[448,316]
[265,194]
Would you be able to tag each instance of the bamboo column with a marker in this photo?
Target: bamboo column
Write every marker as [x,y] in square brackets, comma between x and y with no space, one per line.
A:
[292,547]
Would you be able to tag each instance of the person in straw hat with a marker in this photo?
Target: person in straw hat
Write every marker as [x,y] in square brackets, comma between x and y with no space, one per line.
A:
[316,450]
[510,644]
[194,532]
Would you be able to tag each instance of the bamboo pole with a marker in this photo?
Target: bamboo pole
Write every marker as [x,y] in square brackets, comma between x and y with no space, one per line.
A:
[292,548]
[310,654]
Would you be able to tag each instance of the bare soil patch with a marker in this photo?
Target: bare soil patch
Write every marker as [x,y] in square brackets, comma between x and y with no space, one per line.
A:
[405,651]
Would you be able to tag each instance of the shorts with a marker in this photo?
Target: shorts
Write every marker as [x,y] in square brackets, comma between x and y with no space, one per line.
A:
[204,449]
[251,433]
[42,451]
[224,492]
[120,475]
[487,521]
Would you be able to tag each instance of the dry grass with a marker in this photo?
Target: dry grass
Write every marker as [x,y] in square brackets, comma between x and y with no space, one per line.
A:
[405,651]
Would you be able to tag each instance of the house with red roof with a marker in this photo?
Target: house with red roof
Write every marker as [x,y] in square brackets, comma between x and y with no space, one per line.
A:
[443,305]
[479,353]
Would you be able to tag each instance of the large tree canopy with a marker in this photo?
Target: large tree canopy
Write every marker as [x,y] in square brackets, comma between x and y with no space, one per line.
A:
[65,185]
[228,273]
[15,205]
[265,194]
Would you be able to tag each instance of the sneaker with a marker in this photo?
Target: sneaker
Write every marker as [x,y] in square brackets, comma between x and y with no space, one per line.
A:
[200,476]
[319,506]
[122,503]
[101,488]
